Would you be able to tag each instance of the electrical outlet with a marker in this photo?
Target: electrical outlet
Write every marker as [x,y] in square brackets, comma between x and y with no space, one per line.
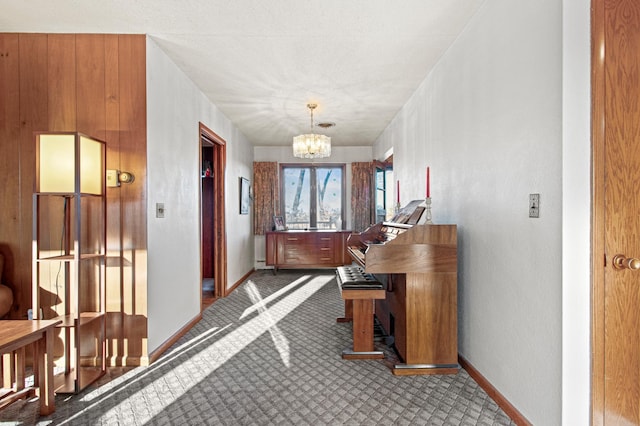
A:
[534,205]
[160,210]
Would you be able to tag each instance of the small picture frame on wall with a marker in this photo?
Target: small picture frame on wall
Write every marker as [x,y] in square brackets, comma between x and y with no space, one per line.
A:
[278,222]
[245,197]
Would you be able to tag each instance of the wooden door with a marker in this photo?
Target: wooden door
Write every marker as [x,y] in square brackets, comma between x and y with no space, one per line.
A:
[616,212]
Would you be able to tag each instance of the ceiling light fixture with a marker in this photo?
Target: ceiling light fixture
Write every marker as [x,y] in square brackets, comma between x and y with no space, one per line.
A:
[311,145]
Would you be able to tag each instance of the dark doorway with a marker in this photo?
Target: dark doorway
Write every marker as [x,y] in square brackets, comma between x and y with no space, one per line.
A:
[213,238]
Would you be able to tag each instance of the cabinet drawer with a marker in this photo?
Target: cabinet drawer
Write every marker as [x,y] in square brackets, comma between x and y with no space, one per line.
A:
[308,254]
[325,255]
[297,239]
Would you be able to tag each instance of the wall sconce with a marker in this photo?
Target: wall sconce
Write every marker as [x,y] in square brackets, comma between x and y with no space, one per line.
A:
[116,177]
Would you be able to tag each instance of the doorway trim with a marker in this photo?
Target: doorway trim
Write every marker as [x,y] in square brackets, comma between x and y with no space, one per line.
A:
[597,213]
[210,138]
[597,210]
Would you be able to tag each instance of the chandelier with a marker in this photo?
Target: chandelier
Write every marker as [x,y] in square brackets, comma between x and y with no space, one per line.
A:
[311,145]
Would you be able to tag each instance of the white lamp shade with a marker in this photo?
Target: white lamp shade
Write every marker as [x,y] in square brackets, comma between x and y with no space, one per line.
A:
[91,172]
[311,146]
[59,169]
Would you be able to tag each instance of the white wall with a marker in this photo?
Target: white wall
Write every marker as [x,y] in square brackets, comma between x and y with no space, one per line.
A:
[175,106]
[576,208]
[487,120]
[284,154]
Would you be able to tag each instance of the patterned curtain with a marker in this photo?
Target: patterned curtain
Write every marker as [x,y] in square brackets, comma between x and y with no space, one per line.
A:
[361,202]
[266,196]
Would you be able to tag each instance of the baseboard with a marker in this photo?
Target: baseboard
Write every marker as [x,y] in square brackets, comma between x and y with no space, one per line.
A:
[237,283]
[153,356]
[502,402]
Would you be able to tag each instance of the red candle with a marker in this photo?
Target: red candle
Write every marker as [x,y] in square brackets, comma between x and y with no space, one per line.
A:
[398,191]
[428,184]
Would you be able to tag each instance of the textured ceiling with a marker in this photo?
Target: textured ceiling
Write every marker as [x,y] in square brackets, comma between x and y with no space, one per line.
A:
[262,61]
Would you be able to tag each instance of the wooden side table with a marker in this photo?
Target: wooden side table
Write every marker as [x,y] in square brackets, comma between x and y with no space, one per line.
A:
[15,335]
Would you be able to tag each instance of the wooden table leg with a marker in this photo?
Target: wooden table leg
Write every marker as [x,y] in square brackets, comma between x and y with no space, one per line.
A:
[45,367]
[8,370]
[20,368]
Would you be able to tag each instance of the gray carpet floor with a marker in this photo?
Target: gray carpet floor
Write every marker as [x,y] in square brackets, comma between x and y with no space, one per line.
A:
[269,354]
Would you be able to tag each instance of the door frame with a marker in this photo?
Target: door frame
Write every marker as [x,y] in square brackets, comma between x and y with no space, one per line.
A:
[597,212]
[210,138]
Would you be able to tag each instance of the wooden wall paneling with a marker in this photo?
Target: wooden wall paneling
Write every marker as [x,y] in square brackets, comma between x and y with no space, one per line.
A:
[10,215]
[90,86]
[61,116]
[33,107]
[61,78]
[115,265]
[90,103]
[133,149]
[95,84]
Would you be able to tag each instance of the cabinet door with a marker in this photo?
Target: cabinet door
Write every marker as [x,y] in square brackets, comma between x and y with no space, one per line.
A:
[271,249]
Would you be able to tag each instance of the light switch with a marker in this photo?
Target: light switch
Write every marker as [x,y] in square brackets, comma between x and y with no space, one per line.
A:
[160,210]
[534,205]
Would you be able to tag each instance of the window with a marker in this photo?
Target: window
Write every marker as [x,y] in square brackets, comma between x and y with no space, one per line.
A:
[313,196]
[384,192]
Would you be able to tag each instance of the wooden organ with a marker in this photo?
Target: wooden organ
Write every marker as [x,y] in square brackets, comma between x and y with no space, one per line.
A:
[417,266]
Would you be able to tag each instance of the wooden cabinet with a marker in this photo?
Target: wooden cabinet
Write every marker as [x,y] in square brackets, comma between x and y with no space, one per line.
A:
[69,254]
[307,249]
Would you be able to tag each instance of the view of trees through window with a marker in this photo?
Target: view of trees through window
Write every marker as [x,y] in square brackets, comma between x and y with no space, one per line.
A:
[384,193]
[313,196]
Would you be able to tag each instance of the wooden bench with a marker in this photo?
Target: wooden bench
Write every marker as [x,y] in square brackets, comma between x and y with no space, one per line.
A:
[359,290]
